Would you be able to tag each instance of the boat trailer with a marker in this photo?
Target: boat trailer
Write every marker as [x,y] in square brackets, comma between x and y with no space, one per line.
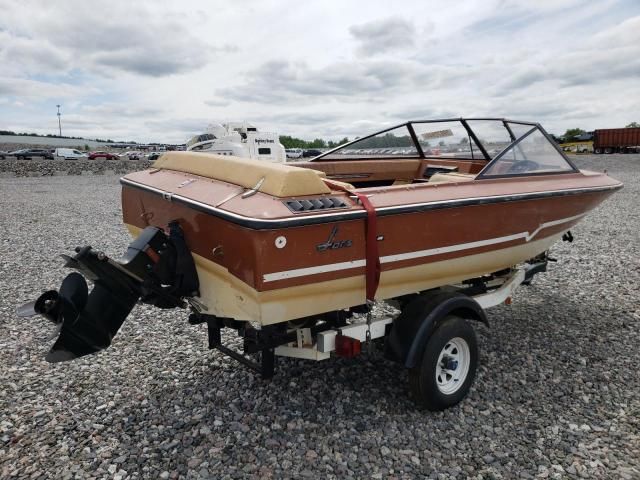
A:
[430,335]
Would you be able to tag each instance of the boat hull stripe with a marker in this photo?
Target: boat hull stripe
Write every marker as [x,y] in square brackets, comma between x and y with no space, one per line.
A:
[333,267]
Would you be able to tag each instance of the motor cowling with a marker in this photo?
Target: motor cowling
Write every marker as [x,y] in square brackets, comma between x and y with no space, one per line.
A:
[157,269]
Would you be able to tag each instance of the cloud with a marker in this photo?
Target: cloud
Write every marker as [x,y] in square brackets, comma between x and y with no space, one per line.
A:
[29,89]
[381,36]
[282,81]
[132,38]
[297,118]
[162,71]
[217,102]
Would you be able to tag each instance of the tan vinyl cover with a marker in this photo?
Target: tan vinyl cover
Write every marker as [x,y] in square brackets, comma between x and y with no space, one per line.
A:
[279,180]
[453,177]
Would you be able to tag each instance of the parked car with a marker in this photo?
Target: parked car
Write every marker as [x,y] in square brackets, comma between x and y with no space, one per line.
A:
[134,155]
[4,154]
[33,152]
[311,153]
[105,155]
[69,154]
[294,152]
[154,155]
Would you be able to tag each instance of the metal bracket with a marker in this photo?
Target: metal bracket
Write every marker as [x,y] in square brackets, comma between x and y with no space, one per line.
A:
[266,367]
[500,295]
[254,190]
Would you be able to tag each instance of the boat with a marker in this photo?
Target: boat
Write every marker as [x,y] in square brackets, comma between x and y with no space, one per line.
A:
[284,253]
[240,139]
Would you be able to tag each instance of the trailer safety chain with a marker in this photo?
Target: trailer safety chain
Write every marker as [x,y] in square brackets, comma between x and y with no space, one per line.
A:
[368,332]
[372,275]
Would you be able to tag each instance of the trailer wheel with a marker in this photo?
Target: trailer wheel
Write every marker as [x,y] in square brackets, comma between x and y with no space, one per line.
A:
[448,365]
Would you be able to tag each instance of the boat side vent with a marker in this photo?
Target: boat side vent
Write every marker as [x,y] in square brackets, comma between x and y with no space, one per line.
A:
[312,204]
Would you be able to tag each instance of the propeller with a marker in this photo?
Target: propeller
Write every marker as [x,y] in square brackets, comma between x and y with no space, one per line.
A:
[61,307]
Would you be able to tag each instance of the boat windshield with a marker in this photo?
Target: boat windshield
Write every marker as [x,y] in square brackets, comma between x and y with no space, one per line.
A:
[477,139]
[391,143]
[509,147]
[533,153]
[200,138]
[447,139]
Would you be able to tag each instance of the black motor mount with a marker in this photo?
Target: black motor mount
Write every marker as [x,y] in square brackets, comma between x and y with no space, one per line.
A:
[157,269]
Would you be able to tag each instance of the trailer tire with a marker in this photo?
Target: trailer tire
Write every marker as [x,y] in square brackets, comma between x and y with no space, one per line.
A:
[432,385]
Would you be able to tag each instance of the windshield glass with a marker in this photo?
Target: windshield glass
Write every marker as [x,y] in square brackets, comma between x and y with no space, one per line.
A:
[493,135]
[533,154]
[200,138]
[446,139]
[392,143]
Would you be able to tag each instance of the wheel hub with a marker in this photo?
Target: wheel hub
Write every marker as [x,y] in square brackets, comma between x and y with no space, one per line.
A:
[449,363]
[453,365]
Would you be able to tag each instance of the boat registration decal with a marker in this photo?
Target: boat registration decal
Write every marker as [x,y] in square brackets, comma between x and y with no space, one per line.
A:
[333,267]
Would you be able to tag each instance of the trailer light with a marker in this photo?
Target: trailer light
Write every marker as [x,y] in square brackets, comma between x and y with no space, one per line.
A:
[507,301]
[347,347]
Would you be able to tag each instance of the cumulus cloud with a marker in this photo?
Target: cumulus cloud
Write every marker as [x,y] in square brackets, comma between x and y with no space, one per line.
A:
[381,36]
[297,118]
[282,81]
[217,102]
[96,37]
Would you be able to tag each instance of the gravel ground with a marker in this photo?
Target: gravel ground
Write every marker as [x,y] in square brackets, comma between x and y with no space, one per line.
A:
[557,393]
[36,167]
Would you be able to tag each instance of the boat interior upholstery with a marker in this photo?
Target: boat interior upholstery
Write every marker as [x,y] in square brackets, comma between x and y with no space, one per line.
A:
[397,171]
[307,178]
[277,179]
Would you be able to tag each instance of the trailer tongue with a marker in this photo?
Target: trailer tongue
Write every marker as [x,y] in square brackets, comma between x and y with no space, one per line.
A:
[157,269]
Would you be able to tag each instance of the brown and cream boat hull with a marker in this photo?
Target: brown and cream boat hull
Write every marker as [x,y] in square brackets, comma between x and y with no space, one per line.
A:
[260,261]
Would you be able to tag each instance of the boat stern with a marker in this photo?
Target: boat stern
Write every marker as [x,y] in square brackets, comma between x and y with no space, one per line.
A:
[157,269]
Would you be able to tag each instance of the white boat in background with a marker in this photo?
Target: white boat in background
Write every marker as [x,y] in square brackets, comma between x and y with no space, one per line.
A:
[240,139]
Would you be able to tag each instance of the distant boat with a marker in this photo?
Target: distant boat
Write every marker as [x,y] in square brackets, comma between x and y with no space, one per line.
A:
[239,139]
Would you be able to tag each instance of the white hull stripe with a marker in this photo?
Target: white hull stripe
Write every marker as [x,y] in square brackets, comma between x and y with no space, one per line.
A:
[333,267]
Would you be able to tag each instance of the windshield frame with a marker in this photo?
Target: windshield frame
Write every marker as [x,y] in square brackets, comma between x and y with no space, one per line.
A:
[420,153]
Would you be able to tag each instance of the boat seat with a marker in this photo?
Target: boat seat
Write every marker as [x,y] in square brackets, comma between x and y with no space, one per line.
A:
[280,180]
[453,177]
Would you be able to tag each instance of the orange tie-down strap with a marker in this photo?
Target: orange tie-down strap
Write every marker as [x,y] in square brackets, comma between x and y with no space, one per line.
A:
[372,272]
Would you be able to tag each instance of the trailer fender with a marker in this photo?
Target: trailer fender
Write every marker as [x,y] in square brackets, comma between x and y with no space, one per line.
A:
[413,327]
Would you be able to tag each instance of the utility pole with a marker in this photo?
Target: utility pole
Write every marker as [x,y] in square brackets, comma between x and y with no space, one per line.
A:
[59,123]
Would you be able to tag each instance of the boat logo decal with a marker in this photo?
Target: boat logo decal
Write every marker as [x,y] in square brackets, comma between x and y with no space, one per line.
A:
[332,243]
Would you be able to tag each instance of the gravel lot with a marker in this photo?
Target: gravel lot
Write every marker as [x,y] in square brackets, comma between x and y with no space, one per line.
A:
[557,393]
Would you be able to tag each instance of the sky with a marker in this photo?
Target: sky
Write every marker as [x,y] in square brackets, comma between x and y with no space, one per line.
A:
[161,71]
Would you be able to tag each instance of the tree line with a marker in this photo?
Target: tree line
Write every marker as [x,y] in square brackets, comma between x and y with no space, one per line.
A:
[288,141]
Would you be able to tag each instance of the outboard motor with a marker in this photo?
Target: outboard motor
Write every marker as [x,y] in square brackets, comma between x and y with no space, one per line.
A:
[157,269]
